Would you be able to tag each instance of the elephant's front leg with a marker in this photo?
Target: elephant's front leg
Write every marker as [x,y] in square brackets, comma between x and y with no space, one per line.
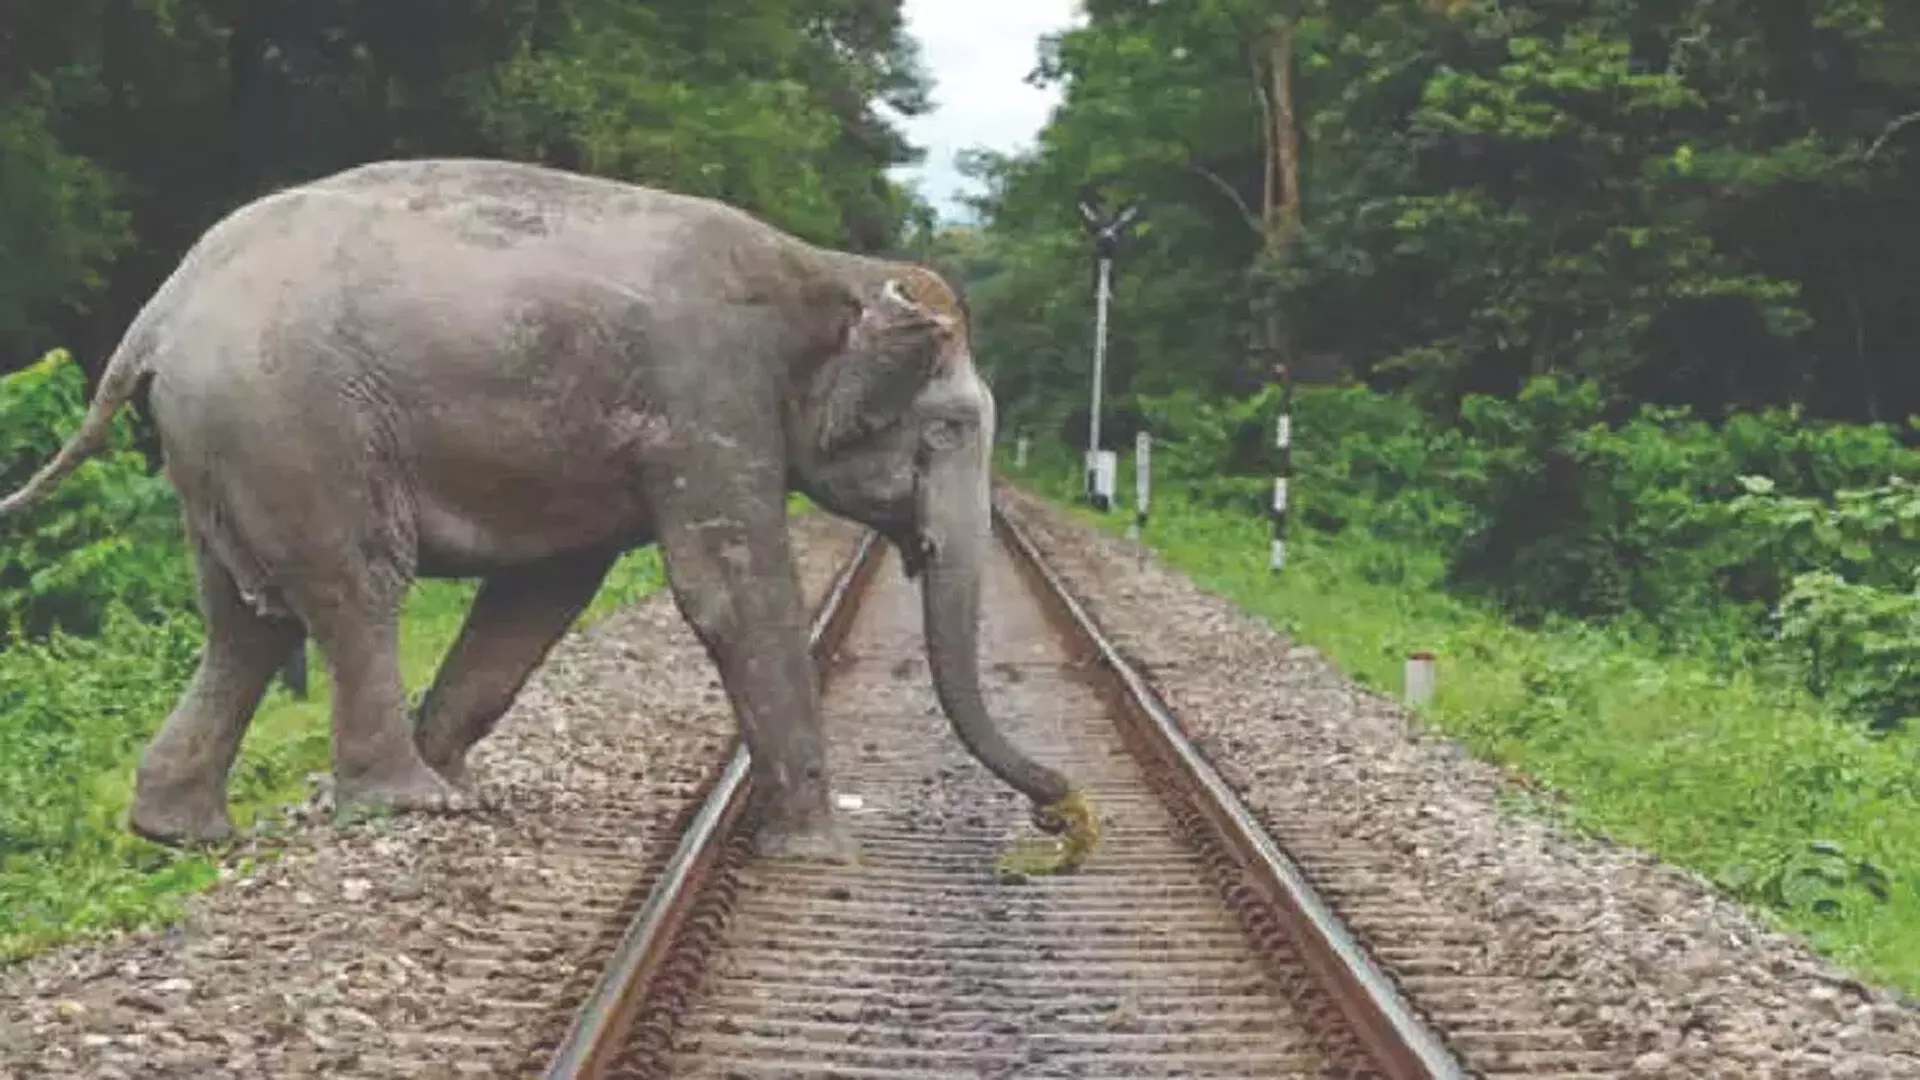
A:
[729,565]
[515,620]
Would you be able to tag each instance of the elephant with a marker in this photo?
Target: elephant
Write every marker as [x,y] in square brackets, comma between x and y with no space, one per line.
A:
[477,368]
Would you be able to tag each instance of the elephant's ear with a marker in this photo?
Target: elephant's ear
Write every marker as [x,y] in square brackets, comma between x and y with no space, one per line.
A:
[905,332]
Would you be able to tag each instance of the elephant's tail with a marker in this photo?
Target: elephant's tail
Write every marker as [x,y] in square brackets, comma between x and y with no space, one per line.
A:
[117,387]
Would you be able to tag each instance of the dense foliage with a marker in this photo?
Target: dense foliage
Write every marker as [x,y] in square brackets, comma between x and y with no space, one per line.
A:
[1760,540]
[1618,290]
[108,537]
[98,631]
[1697,202]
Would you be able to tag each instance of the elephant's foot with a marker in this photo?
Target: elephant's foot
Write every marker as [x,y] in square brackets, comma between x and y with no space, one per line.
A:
[452,768]
[444,748]
[821,840]
[411,788]
[190,818]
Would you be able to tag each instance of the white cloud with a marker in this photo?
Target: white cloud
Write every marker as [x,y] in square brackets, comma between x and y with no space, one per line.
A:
[978,52]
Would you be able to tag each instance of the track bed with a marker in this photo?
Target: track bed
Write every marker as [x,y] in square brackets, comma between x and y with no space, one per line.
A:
[920,962]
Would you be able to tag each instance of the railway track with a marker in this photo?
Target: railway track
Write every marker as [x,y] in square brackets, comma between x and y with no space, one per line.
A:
[569,935]
[1187,945]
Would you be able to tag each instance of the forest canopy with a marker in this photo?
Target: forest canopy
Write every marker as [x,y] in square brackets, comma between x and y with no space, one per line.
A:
[1702,203]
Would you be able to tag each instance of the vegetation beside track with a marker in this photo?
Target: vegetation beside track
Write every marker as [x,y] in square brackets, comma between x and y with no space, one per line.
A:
[1596,395]
[1735,771]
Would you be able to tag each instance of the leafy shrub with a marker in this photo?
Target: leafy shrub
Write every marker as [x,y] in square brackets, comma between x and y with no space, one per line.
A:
[1762,539]
[1861,644]
[1871,535]
[110,534]
[1360,459]
[1596,520]
[75,708]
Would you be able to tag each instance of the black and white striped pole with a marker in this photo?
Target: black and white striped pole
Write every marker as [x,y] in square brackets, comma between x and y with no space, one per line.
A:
[1283,442]
[1142,483]
[1107,233]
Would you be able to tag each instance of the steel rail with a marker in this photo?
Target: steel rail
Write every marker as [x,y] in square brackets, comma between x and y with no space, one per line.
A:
[596,1033]
[1391,1031]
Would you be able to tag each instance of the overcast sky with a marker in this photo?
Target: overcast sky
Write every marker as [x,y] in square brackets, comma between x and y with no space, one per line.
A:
[978,51]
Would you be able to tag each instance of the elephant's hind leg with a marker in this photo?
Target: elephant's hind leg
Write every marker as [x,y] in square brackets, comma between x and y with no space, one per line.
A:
[180,791]
[356,623]
[515,620]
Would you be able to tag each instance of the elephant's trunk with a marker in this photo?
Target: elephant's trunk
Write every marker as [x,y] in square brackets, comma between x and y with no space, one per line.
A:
[956,514]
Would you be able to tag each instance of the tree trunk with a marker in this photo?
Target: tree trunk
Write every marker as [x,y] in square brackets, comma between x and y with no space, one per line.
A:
[1280,183]
[1282,214]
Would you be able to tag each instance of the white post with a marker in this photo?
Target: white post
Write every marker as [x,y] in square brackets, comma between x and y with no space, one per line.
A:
[1020,452]
[1421,678]
[1099,374]
[1279,514]
[1142,483]
[1106,468]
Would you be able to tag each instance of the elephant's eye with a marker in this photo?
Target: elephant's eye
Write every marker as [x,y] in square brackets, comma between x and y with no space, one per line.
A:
[942,434]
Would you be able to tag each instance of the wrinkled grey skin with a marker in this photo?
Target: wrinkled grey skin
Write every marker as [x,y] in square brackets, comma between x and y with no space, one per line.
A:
[478,368]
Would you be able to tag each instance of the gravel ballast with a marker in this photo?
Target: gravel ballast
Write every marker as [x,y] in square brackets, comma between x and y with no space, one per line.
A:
[1642,958]
[415,946]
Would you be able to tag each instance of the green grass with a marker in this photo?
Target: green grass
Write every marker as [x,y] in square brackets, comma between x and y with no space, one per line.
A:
[1738,776]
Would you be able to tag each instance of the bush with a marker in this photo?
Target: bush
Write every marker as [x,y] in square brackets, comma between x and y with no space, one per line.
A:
[76,708]
[1728,769]
[1761,540]
[109,535]
[1593,520]
[1360,459]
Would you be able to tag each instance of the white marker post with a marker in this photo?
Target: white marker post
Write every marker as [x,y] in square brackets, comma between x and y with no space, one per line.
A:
[1020,452]
[1106,469]
[1420,679]
[1278,511]
[1142,483]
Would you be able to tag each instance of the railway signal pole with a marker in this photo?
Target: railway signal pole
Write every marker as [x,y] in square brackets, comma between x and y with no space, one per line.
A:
[1106,233]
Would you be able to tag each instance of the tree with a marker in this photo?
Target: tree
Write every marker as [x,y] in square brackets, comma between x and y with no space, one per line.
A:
[1694,202]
